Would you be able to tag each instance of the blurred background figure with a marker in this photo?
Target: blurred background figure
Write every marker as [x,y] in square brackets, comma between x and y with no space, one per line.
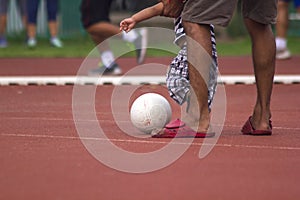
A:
[282,51]
[96,21]
[52,10]
[4,4]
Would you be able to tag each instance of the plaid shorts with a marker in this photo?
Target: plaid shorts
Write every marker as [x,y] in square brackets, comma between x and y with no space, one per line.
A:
[178,76]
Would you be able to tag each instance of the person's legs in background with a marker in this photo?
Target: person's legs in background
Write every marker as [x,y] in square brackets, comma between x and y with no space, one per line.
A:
[4,4]
[32,8]
[297,6]
[96,21]
[23,12]
[99,32]
[282,24]
[3,22]
[52,9]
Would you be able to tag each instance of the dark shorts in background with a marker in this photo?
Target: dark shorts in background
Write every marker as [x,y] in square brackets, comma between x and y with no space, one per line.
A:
[94,11]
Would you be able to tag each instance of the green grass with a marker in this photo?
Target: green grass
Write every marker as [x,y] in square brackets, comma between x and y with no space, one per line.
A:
[82,46]
[78,47]
[242,46]
[294,45]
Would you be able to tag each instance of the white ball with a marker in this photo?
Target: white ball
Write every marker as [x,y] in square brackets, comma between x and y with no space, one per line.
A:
[150,112]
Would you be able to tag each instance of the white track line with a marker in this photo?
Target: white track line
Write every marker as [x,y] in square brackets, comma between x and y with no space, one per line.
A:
[128,80]
[151,141]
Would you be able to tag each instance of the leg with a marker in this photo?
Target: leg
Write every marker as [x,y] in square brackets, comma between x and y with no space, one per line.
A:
[3,22]
[263,52]
[282,19]
[199,93]
[23,11]
[281,30]
[96,21]
[297,6]
[52,7]
[53,28]
[32,8]
[101,31]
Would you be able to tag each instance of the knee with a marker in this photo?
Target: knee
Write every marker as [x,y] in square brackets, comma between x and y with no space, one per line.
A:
[190,28]
[255,28]
[193,29]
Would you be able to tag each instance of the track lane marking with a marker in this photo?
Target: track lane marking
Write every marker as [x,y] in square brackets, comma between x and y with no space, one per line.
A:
[150,141]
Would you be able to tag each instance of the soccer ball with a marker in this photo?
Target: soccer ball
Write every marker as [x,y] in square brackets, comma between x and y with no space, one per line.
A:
[150,112]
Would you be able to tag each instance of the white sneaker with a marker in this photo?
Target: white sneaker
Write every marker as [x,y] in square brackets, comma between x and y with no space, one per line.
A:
[283,54]
[31,42]
[56,42]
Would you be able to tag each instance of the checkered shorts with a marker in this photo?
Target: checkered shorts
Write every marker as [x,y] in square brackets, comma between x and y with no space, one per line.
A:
[178,75]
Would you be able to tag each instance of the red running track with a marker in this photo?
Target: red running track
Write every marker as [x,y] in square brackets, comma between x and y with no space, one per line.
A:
[42,156]
[69,66]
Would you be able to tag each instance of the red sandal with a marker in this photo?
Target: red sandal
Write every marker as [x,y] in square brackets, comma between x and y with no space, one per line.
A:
[248,129]
[179,129]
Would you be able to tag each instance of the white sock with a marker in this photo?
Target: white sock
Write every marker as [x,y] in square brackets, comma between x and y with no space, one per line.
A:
[130,36]
[107,58]
[281,43]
